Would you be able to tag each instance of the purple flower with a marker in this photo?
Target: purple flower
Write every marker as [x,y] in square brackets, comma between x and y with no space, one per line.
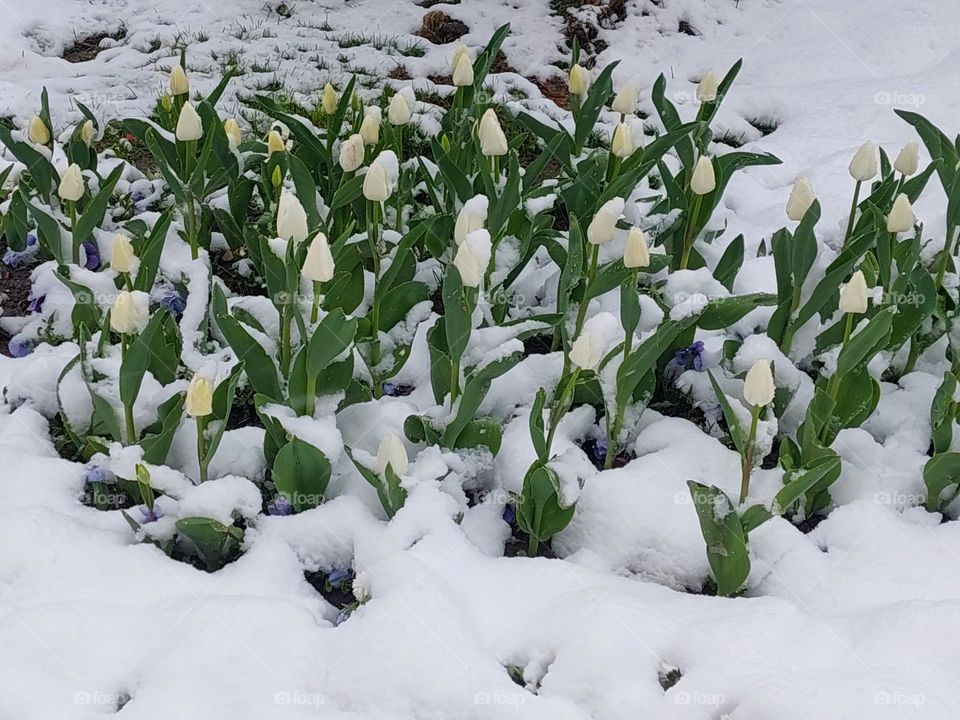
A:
[690,358]
[279,506]
[92,255]
[390,389]
[600,449]
[16,258]
[137,196]
[509,514]
[344,613]
[36,303]
[97,474]
[337,576]
[174,303]
[150,514]
[20,347]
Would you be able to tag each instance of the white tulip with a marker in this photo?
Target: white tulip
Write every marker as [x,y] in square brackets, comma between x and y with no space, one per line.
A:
[901,216]
[37,131]
[853,295]
[636,254]
[460,51]
[199,397]
[863,167]
[376,184]
[601,228]
[370,127]
[71,184]
[463,71]
[800,200]
[579,80]
[708,87]
[704,178]
[758,388]
[318,265]
[471,217]
[122,257]
[179,85]
[473,257]
[291,218]
[87,132]
[625,101]
[329,102]
[399,113]
[393,453]
[275,143]
[189,125]
[908,160]
[130,313]
[231,129]
[622,145]
[351,153]
[586,351]
[492,140]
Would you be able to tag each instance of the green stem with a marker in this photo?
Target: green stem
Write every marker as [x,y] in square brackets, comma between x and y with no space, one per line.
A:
[315,312]
[533,543]
[73,232]
[591,273]
[945,256]
[201,447]
[285,343]
[311,392]
[560,407]
[454,381]
[399,203]
[747,459]
[127,407]
[688,234]
[373,212]
[853,213]
[834,383]
[191,221]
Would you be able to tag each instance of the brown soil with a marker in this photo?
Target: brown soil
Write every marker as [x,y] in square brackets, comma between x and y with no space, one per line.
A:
[440,29]
[87,48]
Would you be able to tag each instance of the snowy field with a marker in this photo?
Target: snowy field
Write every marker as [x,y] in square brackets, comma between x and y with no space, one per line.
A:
[337,611]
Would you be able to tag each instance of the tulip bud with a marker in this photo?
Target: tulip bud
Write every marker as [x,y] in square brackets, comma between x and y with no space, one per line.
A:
[704,179]
[901,216]
[179,85]
[758,388]
[579,80]
[586,351]
[376,185]
[853,295]
[318,265]
[460,51]
[38,132]
[472,258]
[275,143]
[393,454]
[291,218]
[863,167]
[471,217]
[351,153]
[189,125]
[329,102]
[199,397]
[71,184]
[908,160]
[492,140]
[625,101]
[130,313]
[276,179]
[399,110]
[122,257]
[800,200]
[708,87]
[622,145]
[601,228]
[463,71]
[232,130]
[87,132]
[370,127]
[166,102]
[636,254]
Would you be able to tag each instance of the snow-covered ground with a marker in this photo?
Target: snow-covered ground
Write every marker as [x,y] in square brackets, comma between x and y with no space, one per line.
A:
[855,619]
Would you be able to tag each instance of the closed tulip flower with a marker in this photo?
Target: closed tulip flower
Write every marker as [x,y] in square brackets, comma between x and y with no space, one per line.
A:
[392,453]
[199,397]
[87,132]
[625,101]
[853,295]
[370,127]
[130,313]
[318,265]
[376,184]
[636,254]
[275,143]
[179,85]
[291,218]
[759,389]
[189,125]
[908,160]
[398,112]
[471,217]
[232,130]
[586,351]
[351,153]
[458,52]
[579,81]
[863,167]
[122,257]
[622,145]
[472,258]
[37,131]
[329,101]
[901,216]
[800,200]
[708,87]
[601,228]
[492,140]
[463,71]
[71,184]
[704,178]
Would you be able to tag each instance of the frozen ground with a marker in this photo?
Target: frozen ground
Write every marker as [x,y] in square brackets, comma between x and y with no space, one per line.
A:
[853,620]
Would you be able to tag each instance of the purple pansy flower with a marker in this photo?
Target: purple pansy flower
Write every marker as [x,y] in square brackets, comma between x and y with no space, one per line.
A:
[509,513]
[390,389]
[92,255]
[16,258]
[20,347]
[344,613]
[150,514]
[36,303]
[97,474]
[173,302]
[337,576]
[690,358]
[279,506]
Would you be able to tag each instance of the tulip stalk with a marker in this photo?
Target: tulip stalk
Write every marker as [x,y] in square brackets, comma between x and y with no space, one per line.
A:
[613,431]
[746,460]
[688,234]
[834,384]
[72,210]
[127,407]
[562,404]
[853,213]
[202,460]
[373,219]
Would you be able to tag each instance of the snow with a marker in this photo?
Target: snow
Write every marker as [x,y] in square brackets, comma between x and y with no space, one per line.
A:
[853,619]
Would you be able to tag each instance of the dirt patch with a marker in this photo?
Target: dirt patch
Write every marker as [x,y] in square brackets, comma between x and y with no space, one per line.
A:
[399,73]
[88,47]
[14,293]
[554,88]
[440,29]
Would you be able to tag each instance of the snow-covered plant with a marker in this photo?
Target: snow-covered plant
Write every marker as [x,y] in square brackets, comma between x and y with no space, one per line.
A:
[385,475]
[941,473]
